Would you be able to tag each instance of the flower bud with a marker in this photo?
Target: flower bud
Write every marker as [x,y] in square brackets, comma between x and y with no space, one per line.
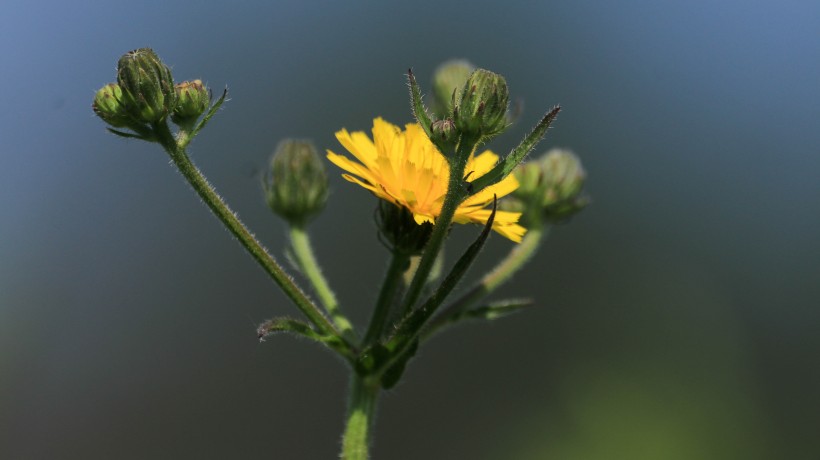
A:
[108,106]
[481,110]
[193,99]
[445,136]
[399,230]
[296,187]
[551,186]
[147,85]
[448,83]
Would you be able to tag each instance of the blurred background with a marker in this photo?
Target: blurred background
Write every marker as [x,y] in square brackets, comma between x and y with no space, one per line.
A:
[677,316]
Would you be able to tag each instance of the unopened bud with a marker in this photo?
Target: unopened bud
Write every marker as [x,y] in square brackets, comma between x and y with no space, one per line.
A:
[448,83]
[296,187]
[147,85]
[552,185]
[445,136]
[481,111]
[193,99]
[108,106]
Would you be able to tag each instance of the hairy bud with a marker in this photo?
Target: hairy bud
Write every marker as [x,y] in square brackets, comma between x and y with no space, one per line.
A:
[147,85]
[481,111]
[296,187]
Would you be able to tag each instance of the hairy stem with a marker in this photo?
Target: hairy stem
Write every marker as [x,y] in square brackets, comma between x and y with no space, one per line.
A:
[455,195]
[360,412]
[248,241]
[398,264]
[302,249]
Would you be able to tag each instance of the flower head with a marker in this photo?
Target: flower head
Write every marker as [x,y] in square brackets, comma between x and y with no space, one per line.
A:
[405,168]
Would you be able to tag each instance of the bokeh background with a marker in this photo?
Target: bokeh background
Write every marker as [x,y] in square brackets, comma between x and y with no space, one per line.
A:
[677,316]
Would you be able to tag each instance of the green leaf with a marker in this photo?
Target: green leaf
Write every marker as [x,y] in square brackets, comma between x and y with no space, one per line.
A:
[506,166]
[142,132]
[211,113]
[491,311]
[417,104]
[125,134]
[294,326]
[494,310]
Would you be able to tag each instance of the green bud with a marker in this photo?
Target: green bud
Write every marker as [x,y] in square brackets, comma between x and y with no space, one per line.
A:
[445,136]
[552,185]
[147,85]
[512,204]
[108,106]
[193,99]
[296,187]
[399,230]
[481,111]
[448,83]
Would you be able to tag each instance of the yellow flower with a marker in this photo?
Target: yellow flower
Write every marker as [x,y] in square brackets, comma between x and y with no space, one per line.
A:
[405,168]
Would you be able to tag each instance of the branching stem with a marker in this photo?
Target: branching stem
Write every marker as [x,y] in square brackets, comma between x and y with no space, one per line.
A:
[235,226]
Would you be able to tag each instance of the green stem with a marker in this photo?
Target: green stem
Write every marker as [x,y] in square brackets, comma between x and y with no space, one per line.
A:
[302,249]
[515,260]
[360,411]
[398,265]
[227,217]
[455,195]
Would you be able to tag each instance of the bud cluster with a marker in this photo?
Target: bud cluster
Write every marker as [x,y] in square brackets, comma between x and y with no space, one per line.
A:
[145,94]
[470,105]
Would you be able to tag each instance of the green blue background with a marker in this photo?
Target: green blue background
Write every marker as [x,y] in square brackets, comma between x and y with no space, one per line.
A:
[677,316]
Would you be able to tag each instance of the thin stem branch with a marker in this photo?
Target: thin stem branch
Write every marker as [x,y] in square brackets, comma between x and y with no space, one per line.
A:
[229,219]
[360,411]
[398,264]
[303,250]
[515,260]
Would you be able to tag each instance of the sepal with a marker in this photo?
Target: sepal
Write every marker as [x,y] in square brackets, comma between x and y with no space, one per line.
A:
[417,104]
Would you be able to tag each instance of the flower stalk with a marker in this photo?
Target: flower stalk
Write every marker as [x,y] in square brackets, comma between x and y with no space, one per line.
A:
[399,263]
[455,195]
[303,251]
[361,408]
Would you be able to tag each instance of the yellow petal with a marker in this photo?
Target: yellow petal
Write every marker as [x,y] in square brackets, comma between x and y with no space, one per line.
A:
[482,164]
[351,167]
